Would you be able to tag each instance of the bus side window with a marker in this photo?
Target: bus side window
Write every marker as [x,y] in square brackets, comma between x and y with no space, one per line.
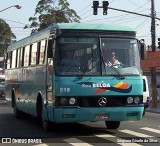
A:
[9,57]
[34,54]
[26,55]
[30,51]
[50,49]
[14,54]
[50,66]
[42,52]
[50,57]
[21,60]
[18,58]
[38,52]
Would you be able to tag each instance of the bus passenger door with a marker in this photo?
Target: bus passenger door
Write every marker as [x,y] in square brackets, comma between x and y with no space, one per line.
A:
[49,96]
[50,79]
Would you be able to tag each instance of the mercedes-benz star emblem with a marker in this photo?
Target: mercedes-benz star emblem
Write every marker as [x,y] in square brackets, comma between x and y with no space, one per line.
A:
[102,101]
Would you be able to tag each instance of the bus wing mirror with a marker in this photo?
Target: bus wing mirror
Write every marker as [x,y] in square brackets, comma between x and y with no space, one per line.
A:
[143,50]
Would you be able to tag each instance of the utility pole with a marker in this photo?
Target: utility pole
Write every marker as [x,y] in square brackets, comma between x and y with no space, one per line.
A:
[153,69]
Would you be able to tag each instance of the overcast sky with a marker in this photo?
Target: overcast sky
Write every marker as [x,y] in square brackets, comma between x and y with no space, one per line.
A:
[18,18]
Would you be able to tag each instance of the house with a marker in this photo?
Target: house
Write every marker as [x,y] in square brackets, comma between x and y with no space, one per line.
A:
[152,60]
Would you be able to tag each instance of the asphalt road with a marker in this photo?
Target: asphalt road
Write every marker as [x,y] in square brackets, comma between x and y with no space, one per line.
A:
[143,132]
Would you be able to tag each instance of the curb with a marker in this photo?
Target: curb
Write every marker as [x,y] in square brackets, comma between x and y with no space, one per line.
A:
[153,110]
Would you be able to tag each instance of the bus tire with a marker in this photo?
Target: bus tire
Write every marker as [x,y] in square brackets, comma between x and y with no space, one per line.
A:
[144,111]
[112,124]
[45,123]
[17,113]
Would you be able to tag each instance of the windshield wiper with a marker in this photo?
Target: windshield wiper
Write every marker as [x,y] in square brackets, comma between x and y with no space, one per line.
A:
[83,72]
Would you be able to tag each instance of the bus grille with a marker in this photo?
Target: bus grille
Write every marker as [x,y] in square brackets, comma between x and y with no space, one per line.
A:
[94,101]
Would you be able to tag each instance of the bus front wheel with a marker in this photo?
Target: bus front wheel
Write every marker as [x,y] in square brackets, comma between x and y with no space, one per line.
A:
[112,124]
[144,112]
[45,123]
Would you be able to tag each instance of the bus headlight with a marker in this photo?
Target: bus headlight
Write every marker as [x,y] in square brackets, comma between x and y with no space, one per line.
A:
[63,101]
[130,100]
[136,100]
[72,101]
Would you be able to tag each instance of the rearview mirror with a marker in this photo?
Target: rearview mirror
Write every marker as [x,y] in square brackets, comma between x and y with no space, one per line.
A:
[143,50]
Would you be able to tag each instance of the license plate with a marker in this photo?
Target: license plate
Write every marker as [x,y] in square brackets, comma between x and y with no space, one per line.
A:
[101,117]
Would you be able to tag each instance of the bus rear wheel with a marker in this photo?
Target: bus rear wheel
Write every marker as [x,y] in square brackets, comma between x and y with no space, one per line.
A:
[112,124]
[17,113]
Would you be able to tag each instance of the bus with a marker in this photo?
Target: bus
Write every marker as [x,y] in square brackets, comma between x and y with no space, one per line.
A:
[62,75]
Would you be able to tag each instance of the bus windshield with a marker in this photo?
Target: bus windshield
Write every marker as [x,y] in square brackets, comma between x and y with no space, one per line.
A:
[84,55]
[78,55]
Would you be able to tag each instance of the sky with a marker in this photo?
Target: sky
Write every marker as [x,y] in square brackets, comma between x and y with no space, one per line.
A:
[18,18]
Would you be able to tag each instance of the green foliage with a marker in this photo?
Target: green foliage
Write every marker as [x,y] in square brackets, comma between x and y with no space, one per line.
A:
[6,35]
[50,12]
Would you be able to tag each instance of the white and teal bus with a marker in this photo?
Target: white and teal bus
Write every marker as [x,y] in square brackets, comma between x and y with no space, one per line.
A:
[62,74]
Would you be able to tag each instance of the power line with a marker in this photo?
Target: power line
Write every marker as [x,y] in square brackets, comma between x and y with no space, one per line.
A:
[139,18]
[14,21]
[138,5]
[85,13]
[129,14]
[88,16]
[102,18]
[84,8]
[16,27]
[146,35]
[112,1]
[142,24]
[114,17]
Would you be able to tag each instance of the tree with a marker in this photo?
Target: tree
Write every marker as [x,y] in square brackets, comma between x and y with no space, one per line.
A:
[50,12]
[6,35]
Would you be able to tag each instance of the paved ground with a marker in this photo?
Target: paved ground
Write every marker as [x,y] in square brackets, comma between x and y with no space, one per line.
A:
[155,110]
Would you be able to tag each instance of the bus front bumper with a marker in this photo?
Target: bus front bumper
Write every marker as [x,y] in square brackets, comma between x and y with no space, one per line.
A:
[63,115]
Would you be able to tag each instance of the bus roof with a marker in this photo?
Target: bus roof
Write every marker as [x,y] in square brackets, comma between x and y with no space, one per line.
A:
[67,26]
[85,26]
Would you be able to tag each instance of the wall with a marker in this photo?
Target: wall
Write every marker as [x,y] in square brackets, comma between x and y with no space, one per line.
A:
[150,87]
